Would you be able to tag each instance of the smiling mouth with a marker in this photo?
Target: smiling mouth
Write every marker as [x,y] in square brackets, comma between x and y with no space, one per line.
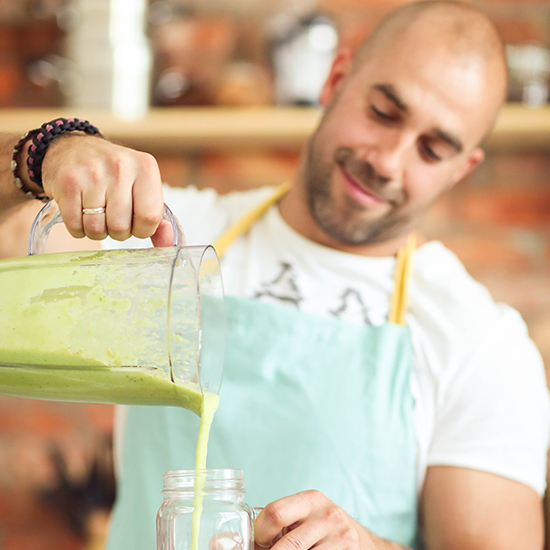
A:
[361,192]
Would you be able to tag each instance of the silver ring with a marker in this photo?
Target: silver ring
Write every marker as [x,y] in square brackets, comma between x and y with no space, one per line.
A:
[98,210]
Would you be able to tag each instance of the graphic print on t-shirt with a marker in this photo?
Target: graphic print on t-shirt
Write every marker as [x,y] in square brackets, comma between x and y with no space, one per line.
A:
[352,307]
[283,288]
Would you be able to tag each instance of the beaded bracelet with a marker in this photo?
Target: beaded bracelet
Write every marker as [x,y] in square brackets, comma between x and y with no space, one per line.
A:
[14,167]
[45,135]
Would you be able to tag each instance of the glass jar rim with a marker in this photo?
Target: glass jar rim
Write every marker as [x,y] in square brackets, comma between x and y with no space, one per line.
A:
[214,478]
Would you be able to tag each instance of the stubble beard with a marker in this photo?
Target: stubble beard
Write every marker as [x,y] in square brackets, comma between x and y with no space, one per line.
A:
[347,225]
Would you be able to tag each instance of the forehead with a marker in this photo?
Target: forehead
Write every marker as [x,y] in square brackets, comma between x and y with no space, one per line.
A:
[438,84]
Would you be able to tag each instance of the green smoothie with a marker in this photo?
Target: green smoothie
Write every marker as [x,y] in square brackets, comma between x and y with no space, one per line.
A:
[102,327]
[88,308]
[119,385]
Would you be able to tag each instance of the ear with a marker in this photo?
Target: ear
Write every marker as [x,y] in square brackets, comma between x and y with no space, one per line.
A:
[340,68]
[477,156]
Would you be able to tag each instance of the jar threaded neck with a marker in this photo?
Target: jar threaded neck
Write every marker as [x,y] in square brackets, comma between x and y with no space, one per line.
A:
[214,479]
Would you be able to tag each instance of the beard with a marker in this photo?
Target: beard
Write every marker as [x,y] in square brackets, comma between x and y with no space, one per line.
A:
[350,223]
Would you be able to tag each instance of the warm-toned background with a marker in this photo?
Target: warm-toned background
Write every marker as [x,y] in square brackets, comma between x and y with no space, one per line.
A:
[497,221]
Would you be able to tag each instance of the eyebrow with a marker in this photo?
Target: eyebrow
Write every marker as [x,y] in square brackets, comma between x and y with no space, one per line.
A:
[453,141]
[391,93]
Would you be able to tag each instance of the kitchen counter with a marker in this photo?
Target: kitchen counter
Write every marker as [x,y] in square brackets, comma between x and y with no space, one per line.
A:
[195,130]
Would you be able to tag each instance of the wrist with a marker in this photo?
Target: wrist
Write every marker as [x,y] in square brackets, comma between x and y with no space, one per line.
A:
[21,179]
[27,168]
[45,135]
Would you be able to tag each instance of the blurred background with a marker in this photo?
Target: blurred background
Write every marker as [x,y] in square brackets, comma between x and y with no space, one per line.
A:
[224,93]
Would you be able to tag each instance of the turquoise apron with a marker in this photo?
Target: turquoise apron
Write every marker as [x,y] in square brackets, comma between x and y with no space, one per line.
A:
[307,402]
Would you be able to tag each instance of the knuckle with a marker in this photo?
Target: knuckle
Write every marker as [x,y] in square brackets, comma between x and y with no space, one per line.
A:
[274,515]
[335,515]
[150,218]
[69,181]
[95,230]
[148,163]
[116,163]
[93,170]
[118,236]
[140,233]
[96,236]
[117,226]
[293,541]
[349,536]
[145,222]
[76,233]
[315,496]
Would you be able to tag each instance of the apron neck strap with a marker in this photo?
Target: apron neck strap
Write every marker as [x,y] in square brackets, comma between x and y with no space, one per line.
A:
[248,220]
[403,264]
[401,277]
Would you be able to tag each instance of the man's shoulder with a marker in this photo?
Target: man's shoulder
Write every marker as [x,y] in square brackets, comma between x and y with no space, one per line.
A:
[440,276]
[454,310]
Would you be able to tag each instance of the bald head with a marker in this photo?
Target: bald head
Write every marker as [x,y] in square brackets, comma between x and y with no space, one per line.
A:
[459,31]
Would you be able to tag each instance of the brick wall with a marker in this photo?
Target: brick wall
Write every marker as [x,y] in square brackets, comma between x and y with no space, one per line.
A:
[56,481]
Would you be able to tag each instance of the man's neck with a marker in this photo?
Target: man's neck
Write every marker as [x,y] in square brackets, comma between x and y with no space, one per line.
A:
[295,211]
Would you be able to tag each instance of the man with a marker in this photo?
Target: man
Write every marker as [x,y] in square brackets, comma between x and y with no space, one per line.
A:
[430,430]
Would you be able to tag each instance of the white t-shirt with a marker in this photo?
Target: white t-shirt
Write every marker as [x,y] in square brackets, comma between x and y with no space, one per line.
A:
[478,381]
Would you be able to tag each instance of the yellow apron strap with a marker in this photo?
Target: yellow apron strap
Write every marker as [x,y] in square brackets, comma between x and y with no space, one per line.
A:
[248,220]
[402,274]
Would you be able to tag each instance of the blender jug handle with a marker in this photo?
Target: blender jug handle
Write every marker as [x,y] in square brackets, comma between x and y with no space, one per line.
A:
[50,214]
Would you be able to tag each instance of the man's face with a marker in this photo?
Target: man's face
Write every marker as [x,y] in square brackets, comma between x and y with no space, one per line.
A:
[397,133]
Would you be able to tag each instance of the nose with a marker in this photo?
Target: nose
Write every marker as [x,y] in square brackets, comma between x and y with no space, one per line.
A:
[387,153]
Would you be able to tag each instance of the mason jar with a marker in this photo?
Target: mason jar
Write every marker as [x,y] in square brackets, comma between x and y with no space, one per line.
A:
[205,510]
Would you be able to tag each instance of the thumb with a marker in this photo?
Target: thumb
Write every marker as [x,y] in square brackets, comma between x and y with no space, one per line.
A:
[164,235]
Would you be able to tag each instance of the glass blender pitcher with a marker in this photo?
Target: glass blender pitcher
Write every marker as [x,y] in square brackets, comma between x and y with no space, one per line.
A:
[134,326]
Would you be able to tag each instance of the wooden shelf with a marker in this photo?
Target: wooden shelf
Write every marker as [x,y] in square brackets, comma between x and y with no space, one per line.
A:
[195,130]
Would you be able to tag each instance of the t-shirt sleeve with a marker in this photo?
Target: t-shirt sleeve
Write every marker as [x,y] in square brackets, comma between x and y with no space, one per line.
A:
[493,411]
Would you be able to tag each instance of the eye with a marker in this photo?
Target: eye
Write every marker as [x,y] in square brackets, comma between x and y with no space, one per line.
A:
[428,152]
[382,115]
[431,154]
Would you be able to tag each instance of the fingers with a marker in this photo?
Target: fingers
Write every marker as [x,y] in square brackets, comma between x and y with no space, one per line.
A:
[282,513]
[94,217]
[148,197]
[88,173]
[305,536]
[134,200]
[119,204]
[70,206]
[303,521]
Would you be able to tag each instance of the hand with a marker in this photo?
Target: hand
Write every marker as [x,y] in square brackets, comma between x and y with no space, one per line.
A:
[309,519]
[88,172]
